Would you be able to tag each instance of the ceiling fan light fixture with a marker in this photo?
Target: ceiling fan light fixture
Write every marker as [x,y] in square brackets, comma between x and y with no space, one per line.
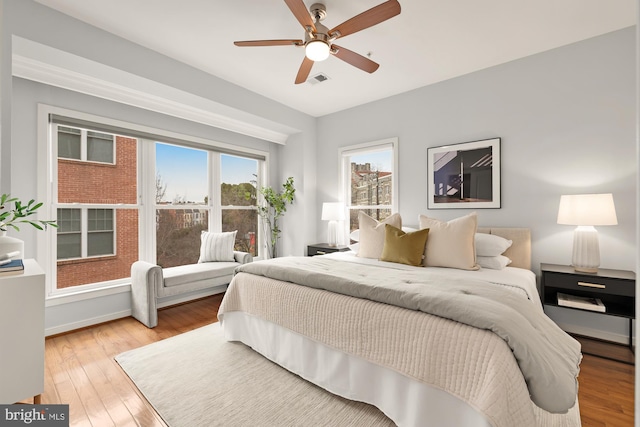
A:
[317,50]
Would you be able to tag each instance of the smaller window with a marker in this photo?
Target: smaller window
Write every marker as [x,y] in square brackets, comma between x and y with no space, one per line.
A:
[369,180]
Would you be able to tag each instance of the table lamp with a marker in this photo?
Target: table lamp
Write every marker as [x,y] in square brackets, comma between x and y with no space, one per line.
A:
[586,211]
[332,212]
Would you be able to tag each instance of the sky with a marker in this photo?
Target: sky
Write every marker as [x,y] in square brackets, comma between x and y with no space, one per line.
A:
[184,171]
[380,160]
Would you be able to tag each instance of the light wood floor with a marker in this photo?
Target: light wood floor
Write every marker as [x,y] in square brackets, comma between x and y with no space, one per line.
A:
[80,371]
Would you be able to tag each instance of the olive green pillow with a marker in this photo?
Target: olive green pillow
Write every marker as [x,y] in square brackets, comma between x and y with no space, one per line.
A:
[404,248]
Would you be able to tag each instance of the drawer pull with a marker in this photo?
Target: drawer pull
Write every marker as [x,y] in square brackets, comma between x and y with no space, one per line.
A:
[592,285]
[321,253]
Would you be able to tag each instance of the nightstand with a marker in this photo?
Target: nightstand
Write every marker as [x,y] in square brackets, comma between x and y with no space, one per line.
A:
[324,248]
[615,288]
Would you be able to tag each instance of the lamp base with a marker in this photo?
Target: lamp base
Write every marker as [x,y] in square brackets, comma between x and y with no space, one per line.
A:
[333,238]
[586,250]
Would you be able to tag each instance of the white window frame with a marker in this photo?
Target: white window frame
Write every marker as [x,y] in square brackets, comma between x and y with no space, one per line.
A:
[47,156]
[345,153]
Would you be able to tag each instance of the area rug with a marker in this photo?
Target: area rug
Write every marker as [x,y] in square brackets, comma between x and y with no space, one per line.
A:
[199,379]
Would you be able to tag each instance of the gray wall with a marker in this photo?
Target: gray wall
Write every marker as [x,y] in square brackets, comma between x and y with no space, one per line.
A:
[567,122]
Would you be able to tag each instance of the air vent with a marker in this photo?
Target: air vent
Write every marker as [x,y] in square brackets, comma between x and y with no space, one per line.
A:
[318,78]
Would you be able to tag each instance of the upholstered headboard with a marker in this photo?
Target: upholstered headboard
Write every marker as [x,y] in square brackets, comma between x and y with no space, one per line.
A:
[520,250]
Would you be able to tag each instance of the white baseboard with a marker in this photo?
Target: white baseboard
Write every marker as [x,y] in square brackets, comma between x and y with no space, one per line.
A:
[86,322]
[83,323]
[595,333]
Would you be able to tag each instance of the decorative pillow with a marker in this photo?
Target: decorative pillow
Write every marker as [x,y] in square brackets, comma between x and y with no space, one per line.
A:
[355,235]
[493,262]
[217,246]
[372,234]
[404,248]
[451,244]
[491,245]
[354,247]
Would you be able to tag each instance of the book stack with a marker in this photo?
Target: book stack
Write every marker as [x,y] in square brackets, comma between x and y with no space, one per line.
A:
[585,303]
[8,264]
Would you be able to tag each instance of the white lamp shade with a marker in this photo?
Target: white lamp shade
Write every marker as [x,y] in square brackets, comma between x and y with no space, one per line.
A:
[587,209]
[317,50]
[332,211]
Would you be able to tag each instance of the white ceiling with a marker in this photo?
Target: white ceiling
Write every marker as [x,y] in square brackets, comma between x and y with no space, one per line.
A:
[430,41]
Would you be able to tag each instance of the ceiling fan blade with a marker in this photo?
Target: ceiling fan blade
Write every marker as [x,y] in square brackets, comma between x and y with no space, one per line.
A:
[355,59]
[269,43]
[303,72]
[367,19]
[301,13]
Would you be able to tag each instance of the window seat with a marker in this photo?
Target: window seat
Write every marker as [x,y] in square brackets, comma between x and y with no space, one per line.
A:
[150,282]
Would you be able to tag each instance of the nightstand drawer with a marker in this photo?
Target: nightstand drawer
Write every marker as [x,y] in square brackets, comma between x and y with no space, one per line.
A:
[591,284]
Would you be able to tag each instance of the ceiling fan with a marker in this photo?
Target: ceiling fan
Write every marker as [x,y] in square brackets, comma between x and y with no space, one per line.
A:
[319,40]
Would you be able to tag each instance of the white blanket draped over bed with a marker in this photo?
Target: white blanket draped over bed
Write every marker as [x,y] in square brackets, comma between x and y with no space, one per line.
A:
[469,362]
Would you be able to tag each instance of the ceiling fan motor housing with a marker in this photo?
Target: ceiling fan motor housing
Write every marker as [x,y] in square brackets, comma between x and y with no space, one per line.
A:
[318,11]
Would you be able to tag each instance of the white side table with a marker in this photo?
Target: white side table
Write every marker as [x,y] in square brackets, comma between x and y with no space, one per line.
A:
[22,334]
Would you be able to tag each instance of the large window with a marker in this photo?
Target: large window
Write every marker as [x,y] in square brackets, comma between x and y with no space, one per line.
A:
[96,204]
[369,179]
[181,197]
[238,200]
[120,195]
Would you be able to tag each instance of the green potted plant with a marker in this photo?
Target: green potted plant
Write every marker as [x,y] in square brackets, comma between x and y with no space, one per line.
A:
[10,217]
[272,210]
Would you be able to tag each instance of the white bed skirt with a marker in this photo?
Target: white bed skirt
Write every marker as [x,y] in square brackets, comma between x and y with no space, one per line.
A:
[405,401]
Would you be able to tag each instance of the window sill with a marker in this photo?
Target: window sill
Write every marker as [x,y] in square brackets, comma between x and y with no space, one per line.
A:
[94,258]
[84,294]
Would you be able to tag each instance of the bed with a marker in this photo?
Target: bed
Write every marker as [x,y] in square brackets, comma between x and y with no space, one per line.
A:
[419,368]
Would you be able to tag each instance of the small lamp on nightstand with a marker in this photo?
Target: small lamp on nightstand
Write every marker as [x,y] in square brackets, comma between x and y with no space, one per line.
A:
[586,211]
[333,212]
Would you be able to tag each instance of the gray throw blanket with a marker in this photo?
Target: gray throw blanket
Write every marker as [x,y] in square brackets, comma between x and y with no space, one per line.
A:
[548,358]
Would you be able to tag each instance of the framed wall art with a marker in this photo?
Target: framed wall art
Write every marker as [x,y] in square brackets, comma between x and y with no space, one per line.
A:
[464,176]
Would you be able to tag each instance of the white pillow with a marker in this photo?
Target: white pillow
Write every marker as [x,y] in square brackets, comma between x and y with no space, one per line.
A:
[491,245]
[354,247]
[217,246]
[451,244]
[372,232]
[493,262]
